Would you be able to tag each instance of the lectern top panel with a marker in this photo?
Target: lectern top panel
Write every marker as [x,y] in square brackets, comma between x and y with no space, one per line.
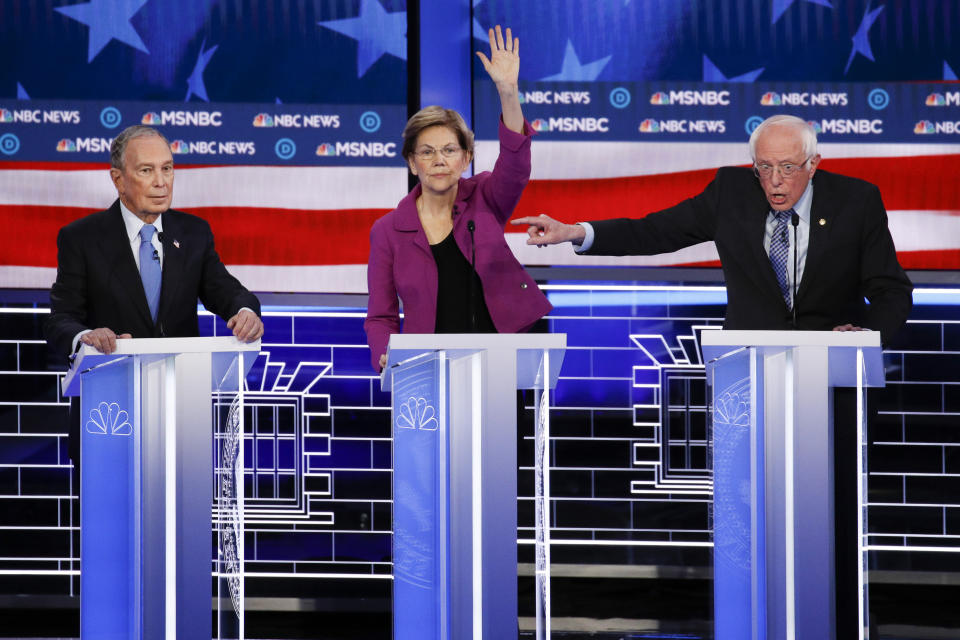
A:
[160,346]
[477,341]
[736,338]
[88,357]
[840,349]
[527,348]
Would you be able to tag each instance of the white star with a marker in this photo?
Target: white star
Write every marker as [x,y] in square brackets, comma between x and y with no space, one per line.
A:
[108,20]
[861,39]
[195,84]
[376,32]
[572,70]
[712,73]
[780,6]
[948,73]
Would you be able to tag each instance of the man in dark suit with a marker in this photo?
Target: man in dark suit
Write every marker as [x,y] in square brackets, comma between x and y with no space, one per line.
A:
[843,253]
[137,269]
[99,294]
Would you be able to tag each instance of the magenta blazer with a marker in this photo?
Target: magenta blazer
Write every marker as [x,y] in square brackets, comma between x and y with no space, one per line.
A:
[401,263]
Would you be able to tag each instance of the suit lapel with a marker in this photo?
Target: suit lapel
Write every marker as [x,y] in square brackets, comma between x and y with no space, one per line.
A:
[173,259]
[408,220]
[754,229]
[115,246]
[819,233]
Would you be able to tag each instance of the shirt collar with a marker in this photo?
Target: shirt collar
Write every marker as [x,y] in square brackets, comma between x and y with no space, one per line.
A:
[804,203]
[802,207]
[133,223]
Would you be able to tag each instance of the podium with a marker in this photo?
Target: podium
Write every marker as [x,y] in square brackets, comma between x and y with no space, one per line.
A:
[155,414]
[773,507]
[454,415]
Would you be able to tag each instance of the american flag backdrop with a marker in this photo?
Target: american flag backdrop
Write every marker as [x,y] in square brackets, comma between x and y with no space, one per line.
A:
[637,102]
[285,117]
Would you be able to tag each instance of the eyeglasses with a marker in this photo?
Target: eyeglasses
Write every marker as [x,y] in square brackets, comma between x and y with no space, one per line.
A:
[428,153]
[787,169]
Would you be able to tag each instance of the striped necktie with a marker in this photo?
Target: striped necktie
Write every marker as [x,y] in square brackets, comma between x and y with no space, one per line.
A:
[780,253]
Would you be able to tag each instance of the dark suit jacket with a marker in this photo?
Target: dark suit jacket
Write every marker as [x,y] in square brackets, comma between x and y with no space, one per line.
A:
[850,255]
[98,284]
[402,263]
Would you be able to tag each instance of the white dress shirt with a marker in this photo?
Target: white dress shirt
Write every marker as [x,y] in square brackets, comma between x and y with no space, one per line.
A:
[802,208]
[133,225]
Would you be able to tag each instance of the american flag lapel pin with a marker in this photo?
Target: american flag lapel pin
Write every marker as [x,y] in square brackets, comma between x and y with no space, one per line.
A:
[176,243]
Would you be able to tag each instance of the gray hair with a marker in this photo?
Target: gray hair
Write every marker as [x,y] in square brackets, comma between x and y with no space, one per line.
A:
[808,136]
[119,146]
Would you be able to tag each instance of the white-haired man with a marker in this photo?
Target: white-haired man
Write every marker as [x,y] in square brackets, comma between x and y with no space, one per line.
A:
[138,268]
[843,253]
[843,249]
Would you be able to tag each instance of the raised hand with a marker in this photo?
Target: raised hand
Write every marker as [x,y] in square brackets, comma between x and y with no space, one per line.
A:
[503,65]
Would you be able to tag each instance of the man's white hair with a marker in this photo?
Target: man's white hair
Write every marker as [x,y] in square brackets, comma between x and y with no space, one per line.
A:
[807,134]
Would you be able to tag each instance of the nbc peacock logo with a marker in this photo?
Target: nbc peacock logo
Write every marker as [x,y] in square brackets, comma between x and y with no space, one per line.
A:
[817,127]
[936,100]
[416,413]
[110,420]
[150,118]
[6,115]
[924,127]
[660,98]
[66,144]
[263,120]
[771,99]
[540,125]
[326,149]
[179,146]
[649,126]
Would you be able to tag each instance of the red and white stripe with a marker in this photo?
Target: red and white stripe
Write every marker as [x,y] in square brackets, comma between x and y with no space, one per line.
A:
[298,229]
[578,181]
[305,229]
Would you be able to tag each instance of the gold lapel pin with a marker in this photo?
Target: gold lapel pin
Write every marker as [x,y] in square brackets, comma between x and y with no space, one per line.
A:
[822,221]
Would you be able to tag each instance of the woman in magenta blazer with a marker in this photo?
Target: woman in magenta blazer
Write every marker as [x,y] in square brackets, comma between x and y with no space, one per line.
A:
[422,251]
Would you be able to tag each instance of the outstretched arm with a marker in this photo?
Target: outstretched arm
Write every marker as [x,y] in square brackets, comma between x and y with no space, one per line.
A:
[503,65]
[545,230]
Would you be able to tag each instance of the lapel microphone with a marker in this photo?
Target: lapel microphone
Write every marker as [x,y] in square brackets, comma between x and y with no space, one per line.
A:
[160,237]
[795,221]
[471,227]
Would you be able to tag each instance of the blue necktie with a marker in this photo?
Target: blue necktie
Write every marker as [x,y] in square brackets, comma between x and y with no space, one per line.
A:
[150,272]
[780,253]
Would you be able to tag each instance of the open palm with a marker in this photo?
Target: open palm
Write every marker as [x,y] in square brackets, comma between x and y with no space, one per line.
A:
[503,65]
